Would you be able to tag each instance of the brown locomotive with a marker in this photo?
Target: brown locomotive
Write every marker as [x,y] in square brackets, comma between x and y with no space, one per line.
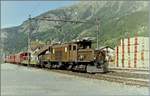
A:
[77,56]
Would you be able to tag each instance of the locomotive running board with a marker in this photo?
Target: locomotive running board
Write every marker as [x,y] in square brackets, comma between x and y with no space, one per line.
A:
[93,69]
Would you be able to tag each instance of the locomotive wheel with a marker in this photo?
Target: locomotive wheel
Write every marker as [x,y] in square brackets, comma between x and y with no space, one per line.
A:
[70,67]
[48,65]
[85,69]
[59,65]
[55,66]
[82,68]
[74,68]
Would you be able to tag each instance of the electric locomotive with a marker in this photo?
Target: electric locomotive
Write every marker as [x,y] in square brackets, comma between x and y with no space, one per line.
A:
[76,56]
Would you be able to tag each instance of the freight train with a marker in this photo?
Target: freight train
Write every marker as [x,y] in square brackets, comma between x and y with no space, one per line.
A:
[75,56]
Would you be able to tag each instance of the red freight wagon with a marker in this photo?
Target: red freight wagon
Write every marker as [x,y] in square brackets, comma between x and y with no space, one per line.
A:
[12,59]
[6,59]
[24,56]
[21,56]
[17,58]
[9,59]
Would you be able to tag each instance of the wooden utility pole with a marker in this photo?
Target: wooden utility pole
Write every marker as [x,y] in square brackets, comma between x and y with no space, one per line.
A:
[29,41]
[97,33]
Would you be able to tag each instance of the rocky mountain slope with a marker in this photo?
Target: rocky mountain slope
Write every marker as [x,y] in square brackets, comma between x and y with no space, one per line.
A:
[116,19]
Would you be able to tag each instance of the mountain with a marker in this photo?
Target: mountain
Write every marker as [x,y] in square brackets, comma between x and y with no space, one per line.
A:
[116,18]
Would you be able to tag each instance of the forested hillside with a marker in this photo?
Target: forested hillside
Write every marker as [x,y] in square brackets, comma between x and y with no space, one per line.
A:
[116,19]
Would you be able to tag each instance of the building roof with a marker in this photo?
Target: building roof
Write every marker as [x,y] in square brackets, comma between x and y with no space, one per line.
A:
[42,50]
[35,46]
[103,47]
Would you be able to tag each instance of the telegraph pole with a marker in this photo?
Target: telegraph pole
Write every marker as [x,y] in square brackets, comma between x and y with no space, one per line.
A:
[29,33]
[97,33]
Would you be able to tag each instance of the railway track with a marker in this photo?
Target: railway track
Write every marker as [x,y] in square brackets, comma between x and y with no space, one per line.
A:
[112,76]
[130,74]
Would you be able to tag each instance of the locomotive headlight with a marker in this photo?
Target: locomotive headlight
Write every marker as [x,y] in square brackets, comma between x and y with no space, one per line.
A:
[94,58]
[81,57]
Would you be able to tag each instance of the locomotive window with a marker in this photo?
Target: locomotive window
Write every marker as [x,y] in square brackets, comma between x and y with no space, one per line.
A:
[65,49]
[74,47]
[26,54]
[69,47]
[49,49]
[53,51]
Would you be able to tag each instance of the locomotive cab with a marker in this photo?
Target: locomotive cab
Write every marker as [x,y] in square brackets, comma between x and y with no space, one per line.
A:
[84,44]
[88,59]
[84,51]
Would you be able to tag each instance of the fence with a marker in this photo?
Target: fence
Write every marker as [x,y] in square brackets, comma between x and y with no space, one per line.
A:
[132,53]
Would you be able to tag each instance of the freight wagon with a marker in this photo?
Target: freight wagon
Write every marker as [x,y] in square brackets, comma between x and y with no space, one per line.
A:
[10,59]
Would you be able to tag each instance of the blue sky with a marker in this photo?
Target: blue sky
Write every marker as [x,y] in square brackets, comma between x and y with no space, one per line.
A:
[13,13]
